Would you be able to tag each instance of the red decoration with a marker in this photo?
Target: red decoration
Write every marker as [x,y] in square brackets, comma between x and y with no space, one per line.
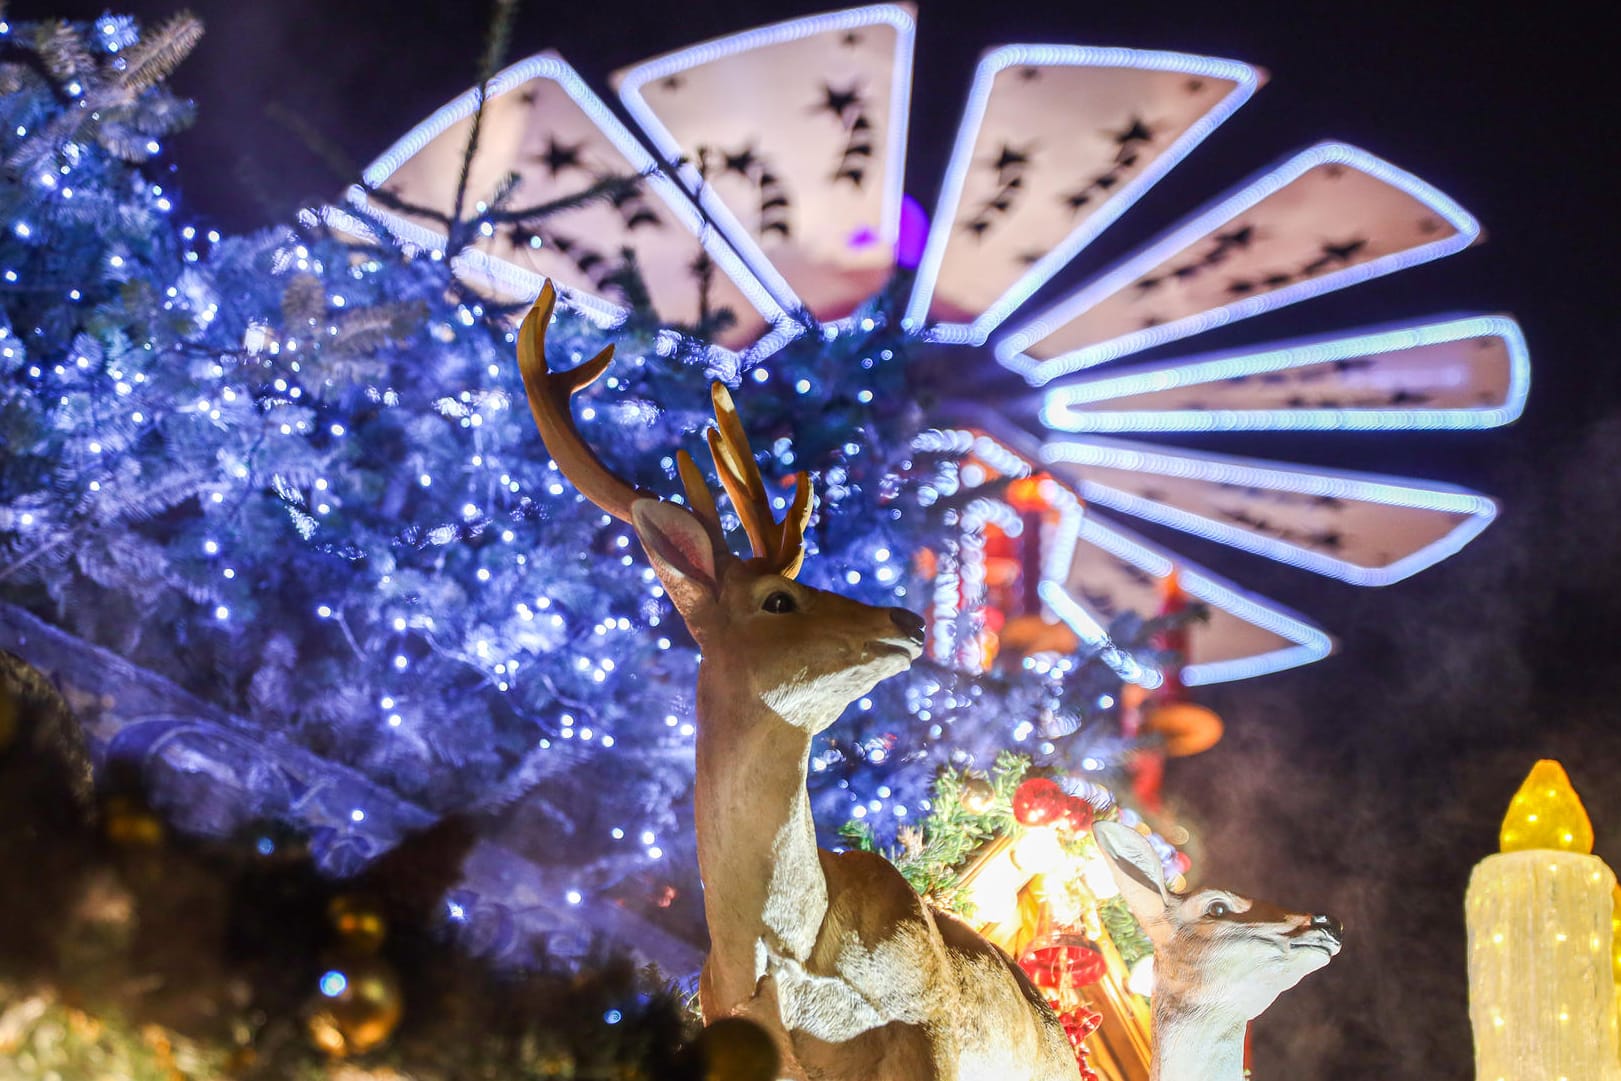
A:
[1069,961]
[1039,802]
[1077,815]
[1080,1023]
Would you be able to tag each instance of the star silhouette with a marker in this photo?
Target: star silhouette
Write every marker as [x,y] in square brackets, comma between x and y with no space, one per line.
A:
[1010,158]
[640,216]
[1344,253]
[742,163]
[850,40]
[1137,132]
[560,156]
[839,102]
[673,83]
[1238,238]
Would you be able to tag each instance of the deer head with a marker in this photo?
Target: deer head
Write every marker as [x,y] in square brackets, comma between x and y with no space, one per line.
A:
[1216,953]
[806,653]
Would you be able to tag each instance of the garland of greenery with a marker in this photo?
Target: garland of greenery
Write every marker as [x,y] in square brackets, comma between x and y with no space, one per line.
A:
[933,854]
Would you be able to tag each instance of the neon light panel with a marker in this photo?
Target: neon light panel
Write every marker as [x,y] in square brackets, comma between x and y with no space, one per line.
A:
[1077,524]
[1013,350]
[1318,487]
[1246,79]
[526,283]
[1308,643]
[633,80]
[1067,408]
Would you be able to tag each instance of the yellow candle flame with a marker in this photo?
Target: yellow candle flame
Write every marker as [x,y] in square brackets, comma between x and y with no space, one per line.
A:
[1546,813]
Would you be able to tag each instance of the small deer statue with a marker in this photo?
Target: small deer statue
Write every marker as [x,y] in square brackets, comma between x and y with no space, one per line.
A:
[854,977]
[1219,960]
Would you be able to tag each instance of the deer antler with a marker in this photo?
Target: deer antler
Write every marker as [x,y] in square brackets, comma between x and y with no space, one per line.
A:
[549,393]
[778,547]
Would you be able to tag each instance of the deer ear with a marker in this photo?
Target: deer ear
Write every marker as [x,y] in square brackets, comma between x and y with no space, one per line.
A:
[1137,872]
[681,551]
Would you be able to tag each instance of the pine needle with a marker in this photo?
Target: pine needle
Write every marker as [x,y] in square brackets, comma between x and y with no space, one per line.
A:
[63,50]
[160,52]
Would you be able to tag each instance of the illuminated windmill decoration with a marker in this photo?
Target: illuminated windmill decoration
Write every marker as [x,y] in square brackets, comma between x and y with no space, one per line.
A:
[774,188]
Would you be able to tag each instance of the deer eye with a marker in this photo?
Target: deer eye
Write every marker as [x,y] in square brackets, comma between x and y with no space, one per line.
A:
[1218,910]
[779,603]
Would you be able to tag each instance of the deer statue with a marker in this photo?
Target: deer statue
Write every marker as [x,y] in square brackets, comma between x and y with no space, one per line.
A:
[851,973]
[1219,960]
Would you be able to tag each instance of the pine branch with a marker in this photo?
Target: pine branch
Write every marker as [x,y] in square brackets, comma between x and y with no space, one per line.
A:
[159,53]
[495,49]
[370,329]
[63,50]
[393,202]
[608,187]
[44,549]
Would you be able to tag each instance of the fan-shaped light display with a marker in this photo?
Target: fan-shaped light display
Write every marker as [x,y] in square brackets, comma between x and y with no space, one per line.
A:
[777,160]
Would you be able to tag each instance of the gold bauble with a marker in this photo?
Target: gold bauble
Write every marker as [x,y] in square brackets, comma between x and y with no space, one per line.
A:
[735,1049]
[356,1006]
[1185,728]
[978,797]
[358,921]
[130,824]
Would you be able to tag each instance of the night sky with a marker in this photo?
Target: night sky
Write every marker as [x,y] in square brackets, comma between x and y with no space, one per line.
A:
[1366,785]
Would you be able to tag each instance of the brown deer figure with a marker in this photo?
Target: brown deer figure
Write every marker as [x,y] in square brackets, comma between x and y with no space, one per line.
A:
[1220,959]
[835,955]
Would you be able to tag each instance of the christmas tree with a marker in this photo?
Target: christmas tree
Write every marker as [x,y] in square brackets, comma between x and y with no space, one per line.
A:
[289,481]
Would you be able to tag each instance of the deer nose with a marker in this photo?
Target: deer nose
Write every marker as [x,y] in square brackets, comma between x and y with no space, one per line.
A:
[1334,927]
[910,623]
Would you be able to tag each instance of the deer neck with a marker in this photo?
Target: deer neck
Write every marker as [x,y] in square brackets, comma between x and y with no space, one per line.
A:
[1192,1043]
[764,891]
